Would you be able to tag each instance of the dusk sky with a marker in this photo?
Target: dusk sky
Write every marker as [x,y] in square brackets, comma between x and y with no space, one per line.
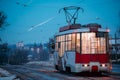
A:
[21,18]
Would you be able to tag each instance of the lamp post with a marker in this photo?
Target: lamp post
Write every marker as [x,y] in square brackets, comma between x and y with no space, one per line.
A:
[116,46]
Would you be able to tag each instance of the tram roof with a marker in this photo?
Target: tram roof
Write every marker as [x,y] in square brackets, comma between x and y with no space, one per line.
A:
[81,30]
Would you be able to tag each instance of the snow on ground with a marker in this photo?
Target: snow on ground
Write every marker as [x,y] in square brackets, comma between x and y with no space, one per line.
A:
[4,72]
[116,68]
[9,78]
[45,63]
[5,75]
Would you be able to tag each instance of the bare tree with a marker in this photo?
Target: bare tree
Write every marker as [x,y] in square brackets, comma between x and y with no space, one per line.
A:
[118,30]
[2,19]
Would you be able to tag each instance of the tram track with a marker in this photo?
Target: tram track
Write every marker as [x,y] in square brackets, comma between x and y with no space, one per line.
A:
[72,76]
[42,73]
[23,75]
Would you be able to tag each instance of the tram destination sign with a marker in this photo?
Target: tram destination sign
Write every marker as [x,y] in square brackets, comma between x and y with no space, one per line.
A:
[100,34]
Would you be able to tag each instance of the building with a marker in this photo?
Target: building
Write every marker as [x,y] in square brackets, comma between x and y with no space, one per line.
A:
[115,48]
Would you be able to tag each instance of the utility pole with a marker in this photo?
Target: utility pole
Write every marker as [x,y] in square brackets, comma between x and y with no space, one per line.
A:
[0,41]
[116,46]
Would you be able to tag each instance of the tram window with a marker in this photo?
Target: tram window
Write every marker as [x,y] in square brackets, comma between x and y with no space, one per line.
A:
[102,45]
[59,45]
[73,41]
[92,44]
[57,39]
[78,42]
[65,46]
[68,37]
[56,46]
[86,46]
[68,45]
[61,52]
[63,38]
[100,34]
[68,42]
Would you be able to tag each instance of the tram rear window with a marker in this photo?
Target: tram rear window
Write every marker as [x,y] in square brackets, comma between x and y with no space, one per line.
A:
[93,43]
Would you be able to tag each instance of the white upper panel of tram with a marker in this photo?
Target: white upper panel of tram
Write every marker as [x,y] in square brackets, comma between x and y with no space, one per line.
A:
[80,30]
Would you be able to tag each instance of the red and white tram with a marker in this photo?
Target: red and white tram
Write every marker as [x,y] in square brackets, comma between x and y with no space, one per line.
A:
[82,48]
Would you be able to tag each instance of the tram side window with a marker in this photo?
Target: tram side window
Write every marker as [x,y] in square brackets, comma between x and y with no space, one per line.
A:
[60,45]
[78,42]
[68,42]
[61,49]
[73,41]
[62,38]
[56,44]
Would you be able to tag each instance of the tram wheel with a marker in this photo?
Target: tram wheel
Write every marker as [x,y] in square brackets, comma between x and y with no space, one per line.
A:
[56,67]
[68,69]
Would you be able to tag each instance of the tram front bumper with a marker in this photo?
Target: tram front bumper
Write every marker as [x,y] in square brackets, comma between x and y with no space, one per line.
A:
[80,68]
[90,68]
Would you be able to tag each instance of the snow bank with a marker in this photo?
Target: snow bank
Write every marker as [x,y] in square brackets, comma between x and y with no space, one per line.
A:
[44,63]
[8,78]
[5,75]
[4,72]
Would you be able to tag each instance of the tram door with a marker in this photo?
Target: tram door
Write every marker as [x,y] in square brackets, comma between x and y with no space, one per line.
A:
[61,49]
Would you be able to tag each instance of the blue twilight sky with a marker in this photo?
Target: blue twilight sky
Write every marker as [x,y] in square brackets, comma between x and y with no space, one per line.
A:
[22,18]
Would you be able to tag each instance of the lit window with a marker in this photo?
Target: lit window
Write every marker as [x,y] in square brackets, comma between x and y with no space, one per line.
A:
[60,45]
[73,42]
[56,46]
[61,52]
[68,42]
[68,37]
[92,44]
[78,42]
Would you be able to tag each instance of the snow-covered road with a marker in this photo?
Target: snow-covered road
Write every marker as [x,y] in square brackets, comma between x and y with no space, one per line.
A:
[46,71]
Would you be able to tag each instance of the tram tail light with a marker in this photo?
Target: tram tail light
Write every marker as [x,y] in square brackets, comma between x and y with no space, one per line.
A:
[110,67]
[85,65]
[103,65]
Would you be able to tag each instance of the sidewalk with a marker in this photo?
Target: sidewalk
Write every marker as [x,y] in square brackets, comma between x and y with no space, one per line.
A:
[115,69]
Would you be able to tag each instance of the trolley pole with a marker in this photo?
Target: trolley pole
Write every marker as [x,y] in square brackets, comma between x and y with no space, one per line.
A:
[116,46]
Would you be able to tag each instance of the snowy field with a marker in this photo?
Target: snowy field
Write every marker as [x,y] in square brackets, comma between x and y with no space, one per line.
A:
[45,63]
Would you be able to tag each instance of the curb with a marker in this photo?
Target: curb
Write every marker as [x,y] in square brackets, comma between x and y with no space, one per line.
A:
[114,73]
